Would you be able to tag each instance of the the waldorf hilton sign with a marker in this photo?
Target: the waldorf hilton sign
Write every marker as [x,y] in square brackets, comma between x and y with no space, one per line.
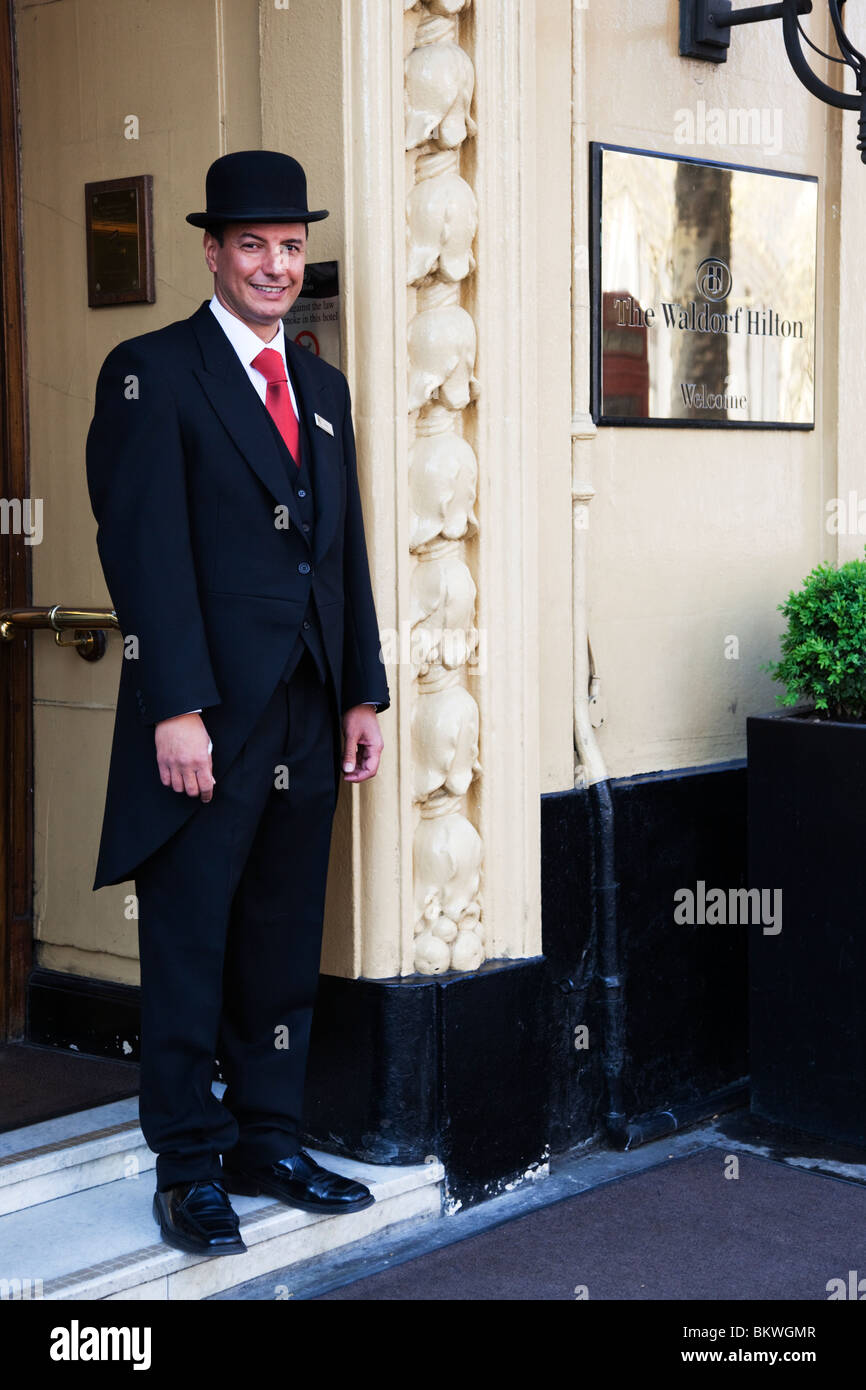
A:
[703,293]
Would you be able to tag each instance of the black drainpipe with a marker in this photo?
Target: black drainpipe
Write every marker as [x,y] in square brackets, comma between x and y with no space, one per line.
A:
[608,968]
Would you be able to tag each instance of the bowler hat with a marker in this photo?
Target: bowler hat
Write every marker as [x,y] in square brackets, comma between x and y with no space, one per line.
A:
[255,186]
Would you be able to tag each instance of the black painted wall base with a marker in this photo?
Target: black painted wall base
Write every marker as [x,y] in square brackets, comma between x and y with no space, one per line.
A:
[454,1066]
[686,1021]
[808,1025]
[686,985]
[97,1017]
[491,1072]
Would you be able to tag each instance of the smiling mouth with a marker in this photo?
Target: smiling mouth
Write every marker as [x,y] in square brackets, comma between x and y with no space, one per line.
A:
[274,290]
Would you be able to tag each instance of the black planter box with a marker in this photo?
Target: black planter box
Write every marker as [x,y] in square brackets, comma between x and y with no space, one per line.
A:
[807,837]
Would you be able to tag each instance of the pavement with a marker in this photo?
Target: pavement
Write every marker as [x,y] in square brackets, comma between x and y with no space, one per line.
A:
[732,1209]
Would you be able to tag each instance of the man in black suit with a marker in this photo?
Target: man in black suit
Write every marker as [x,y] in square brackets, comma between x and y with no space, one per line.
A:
[222,474]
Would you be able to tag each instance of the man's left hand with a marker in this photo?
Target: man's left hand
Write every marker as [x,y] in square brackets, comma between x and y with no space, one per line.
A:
[363,743]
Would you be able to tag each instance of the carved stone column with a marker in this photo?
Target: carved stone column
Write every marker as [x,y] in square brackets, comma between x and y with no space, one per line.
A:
[442,219]
[439,280]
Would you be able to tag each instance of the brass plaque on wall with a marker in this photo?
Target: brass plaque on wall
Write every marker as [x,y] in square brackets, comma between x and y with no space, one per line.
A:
[119,224]
[703,293]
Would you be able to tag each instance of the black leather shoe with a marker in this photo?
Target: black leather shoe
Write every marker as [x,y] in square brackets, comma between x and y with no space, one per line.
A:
[198,1217]
[300,1182]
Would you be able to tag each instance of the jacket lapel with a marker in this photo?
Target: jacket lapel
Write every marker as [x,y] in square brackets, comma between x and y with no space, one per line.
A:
[234,399]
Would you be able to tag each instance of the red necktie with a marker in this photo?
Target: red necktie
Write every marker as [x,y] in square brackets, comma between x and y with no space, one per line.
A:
[277,399]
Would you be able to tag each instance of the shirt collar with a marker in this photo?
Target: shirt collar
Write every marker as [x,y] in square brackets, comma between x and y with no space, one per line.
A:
[245,342]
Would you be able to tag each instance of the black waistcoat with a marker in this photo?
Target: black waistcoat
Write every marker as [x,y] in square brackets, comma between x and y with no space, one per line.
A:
[301,482]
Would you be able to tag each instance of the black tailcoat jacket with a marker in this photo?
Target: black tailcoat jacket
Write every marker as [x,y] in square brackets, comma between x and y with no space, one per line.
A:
[191,499]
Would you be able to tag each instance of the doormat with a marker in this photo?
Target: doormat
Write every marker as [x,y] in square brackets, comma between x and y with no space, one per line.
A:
[40,1083]
[698,1227]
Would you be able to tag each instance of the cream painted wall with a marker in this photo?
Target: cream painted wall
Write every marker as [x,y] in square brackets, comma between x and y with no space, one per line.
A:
[190,73]
[697,536]
[553,246]
[302,106]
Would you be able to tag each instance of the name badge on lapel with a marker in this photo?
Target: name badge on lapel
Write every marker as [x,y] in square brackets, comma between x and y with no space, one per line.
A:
[324,425]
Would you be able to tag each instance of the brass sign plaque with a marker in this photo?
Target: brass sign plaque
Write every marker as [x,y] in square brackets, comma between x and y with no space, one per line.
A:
[703,293]
[119,223]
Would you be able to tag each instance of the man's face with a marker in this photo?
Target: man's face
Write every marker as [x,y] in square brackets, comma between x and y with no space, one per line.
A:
[258,271]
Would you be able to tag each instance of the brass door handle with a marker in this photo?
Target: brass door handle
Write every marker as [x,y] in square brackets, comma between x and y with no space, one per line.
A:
[87,626]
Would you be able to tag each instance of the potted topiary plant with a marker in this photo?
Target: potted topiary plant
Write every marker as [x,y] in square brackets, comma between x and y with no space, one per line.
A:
[807,838]
[824,647]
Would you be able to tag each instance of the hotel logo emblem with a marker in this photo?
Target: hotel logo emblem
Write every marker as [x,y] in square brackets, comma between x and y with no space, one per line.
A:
[714,279]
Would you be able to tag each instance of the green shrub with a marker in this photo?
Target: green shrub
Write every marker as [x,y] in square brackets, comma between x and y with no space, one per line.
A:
[824,647]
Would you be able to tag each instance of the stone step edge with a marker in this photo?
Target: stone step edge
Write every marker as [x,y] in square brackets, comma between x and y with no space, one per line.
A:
[67,1153]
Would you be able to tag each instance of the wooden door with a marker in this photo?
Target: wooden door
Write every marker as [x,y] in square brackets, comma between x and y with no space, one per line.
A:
[16,683]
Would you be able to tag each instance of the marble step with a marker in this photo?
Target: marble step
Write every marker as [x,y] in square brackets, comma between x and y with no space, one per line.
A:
[41,1162]
[102,1243]
[76,1223]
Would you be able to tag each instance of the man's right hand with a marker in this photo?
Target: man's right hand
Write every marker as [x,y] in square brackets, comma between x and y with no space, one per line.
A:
[182,755]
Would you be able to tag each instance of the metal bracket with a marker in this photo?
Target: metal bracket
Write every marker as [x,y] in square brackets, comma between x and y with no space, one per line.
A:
[90,645]
[705,25]
[700,36]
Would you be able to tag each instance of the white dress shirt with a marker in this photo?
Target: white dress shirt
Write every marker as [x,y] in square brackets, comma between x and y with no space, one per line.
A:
[248,345]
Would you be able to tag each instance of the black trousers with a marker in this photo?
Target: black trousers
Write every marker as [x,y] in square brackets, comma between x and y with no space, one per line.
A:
[230,928]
